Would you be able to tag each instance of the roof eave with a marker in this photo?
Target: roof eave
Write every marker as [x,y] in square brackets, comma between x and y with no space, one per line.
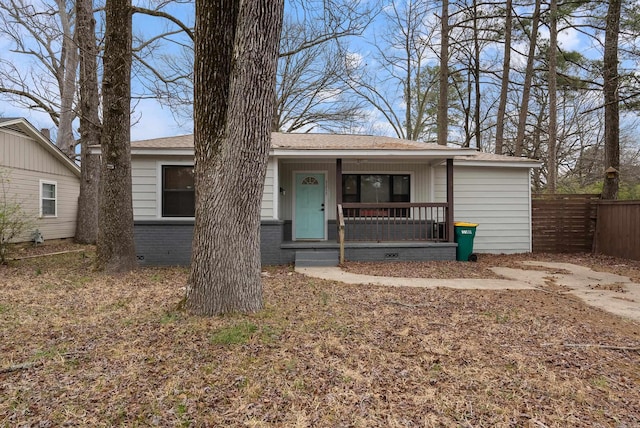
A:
[496,163]
[145,151]
[361,154]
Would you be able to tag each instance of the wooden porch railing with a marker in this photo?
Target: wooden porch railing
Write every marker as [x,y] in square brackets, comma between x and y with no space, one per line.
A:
[400,221]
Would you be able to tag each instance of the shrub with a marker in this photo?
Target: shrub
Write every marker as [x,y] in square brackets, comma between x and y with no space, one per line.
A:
[13,219]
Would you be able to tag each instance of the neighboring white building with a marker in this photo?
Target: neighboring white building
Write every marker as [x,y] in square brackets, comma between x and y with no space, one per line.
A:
[393,193]
[41,179]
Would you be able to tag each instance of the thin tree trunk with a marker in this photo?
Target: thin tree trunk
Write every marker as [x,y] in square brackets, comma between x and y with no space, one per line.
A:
[116,249]
[408,87]
[233,112]
[65,140]
[88,202]
[526,90]
[504,86]
[552,168]
[476,73]
[611,100]
[443,100]
[467,107]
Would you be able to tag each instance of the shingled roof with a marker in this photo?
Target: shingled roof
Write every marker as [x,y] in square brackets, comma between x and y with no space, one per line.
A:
[294,143]
[281,140]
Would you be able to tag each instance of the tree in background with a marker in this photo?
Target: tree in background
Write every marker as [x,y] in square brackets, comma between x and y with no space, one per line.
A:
[526,90]
[116,249]
[90,124]
[311,94]
[552,168]
[610,90]
[236,49]
[56,37]
[443,99]
[400,80]
[504,80]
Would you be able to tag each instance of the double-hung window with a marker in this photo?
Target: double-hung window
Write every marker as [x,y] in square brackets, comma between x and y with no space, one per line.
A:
[178,191]
[48,198]
[377,189]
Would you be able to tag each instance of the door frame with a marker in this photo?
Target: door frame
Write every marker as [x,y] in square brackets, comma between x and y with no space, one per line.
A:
[293,201]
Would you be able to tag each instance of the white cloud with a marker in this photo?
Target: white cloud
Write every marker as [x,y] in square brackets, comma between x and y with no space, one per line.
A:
[570,39]
[154,121]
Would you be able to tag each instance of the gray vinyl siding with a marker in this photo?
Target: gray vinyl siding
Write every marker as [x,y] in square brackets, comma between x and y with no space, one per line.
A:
[145,182]
[269,193]
[27,163]
[419,180]
[147,186]
[497,199]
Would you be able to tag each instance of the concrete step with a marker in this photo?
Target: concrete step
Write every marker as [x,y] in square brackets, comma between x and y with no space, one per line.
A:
[310,258]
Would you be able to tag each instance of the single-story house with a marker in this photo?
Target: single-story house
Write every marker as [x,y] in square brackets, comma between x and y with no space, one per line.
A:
[398,199]
[40,178]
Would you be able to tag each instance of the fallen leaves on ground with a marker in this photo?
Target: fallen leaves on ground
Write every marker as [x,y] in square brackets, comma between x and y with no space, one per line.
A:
[482,268]
[114,351]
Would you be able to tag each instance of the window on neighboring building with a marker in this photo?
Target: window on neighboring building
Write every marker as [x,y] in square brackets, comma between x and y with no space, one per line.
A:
[178,191]
[48,199]
[377,188]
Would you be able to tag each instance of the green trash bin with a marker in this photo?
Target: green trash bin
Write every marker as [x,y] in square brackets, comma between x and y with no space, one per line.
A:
[464,234]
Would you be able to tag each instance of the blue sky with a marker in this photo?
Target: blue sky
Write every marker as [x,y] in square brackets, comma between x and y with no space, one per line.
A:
[152,120]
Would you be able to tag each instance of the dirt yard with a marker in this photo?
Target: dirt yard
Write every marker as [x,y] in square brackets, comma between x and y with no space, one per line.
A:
[80,348]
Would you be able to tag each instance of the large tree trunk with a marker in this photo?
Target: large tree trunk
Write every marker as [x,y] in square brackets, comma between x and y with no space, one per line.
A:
[443,99]
[65,140]
[504,85]
[526,90]
[88,202]
[236,49]
[552,168]
[116,249]
[611,100]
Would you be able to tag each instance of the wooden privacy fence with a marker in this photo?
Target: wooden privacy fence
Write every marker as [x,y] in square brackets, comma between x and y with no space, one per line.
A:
[618,229]
[563,223]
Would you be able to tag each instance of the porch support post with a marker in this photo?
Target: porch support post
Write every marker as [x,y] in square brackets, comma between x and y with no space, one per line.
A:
[450,200]
[338,181]
[338,192]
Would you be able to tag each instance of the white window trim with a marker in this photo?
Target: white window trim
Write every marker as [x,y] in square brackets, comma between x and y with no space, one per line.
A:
[55,198]
[159,166]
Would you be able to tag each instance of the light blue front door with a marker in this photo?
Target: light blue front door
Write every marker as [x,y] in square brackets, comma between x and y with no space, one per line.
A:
[309,215]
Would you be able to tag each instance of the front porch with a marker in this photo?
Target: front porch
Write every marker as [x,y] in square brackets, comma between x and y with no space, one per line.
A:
[375,210]
[380,232]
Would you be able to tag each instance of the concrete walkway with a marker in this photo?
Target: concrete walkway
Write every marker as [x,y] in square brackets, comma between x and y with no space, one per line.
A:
[613,293]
